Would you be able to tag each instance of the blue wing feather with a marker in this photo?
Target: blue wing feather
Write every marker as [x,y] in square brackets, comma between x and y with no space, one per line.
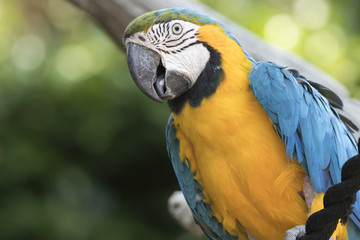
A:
[192,190]
[312,131]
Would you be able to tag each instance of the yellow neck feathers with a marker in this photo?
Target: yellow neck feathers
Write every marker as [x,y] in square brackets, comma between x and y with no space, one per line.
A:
[233,58]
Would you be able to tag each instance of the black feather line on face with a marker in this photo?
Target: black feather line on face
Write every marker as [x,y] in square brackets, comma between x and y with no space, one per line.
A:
[163,30]
[205,85]
[174,40]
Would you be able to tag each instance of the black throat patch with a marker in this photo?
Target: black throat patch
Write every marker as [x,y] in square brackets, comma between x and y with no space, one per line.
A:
[205,85]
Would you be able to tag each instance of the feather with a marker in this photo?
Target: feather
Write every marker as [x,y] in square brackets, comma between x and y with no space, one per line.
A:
[305,116]
[192,190]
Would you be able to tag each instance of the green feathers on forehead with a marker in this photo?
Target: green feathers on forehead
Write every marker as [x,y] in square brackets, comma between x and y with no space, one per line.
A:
[145,21]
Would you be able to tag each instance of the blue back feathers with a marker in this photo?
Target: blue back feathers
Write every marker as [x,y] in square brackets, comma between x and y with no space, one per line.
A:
[310,128]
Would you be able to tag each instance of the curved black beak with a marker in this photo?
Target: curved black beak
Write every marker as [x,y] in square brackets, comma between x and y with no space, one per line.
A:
[152,77]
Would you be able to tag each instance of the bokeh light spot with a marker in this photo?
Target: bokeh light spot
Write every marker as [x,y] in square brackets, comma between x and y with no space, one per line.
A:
[322,47]
[74,62]
[311,14]
[282,31]
[28,52]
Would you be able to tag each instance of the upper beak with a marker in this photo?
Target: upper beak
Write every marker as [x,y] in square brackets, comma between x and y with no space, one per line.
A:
[151,76]
[143,63]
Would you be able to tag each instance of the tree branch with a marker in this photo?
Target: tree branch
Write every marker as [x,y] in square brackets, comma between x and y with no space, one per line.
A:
[114,15]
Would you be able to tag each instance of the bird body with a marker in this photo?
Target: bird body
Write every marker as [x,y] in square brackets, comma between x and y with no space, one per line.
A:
[232,148]
[240,133]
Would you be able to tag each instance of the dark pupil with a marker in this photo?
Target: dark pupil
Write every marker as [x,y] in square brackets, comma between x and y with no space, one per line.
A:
[177,28]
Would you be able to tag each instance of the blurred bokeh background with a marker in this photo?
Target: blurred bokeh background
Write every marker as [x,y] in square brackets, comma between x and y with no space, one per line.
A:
[82,150]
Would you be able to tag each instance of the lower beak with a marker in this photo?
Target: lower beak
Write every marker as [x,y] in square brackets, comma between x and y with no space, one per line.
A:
[152,77]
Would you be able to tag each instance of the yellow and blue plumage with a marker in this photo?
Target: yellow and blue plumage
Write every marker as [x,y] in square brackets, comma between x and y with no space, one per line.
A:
[243,135]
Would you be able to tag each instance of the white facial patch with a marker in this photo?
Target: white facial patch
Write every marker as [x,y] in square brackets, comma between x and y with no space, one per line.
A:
[177,43]
[190,61]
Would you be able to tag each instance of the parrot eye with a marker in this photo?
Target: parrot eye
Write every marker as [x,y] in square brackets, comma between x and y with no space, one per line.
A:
[177,29]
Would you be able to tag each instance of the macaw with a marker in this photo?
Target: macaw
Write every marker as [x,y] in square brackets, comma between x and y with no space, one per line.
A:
[253,145]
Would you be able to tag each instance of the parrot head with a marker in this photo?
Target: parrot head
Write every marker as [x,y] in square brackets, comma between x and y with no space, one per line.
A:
[167,56]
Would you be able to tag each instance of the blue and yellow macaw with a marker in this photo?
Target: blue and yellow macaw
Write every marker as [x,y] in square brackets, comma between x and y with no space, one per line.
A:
[254,146]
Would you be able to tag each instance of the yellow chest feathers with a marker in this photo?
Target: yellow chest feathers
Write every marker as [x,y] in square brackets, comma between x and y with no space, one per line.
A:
[241,164]
[249,182]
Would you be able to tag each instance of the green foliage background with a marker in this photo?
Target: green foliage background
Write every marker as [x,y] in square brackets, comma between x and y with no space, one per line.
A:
[82,150]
